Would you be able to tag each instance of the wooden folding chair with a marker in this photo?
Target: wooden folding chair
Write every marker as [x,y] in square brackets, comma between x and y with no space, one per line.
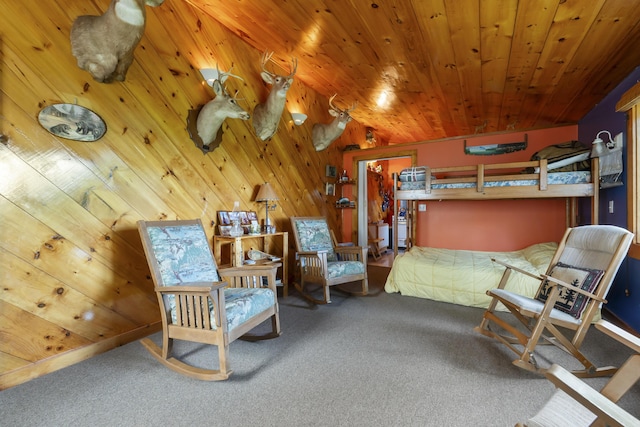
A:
[576,404]
[569,298]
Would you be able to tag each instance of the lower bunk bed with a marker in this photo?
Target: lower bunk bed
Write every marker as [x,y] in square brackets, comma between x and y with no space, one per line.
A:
[462,276]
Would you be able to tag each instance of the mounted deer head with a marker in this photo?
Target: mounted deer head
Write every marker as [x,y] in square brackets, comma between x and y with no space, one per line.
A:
[219,108]
[267,115]
[104,45]
[324,134]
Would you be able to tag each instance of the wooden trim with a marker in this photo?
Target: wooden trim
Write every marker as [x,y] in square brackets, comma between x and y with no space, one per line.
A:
[413,153]
[630,102]
[63,360]
[629,99]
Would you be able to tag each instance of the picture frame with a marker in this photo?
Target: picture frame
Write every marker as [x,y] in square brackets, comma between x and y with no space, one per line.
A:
[223,218]
[226,218]
[330,189]
[224,230]
[331,171]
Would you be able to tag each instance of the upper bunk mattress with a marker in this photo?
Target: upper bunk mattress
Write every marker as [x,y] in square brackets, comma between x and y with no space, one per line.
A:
[575,177]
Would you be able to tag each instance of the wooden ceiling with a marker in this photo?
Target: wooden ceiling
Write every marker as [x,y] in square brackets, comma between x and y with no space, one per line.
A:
[448,67]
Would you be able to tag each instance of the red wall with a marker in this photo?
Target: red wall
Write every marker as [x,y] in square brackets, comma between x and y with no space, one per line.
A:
[495,225]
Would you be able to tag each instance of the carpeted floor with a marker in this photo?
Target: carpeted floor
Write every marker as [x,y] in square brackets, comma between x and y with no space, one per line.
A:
[384,359]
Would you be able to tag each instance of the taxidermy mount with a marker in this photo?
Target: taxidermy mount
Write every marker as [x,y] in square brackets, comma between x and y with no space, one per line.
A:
[104,45]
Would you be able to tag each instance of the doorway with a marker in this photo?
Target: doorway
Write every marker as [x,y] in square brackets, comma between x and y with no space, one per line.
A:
[360,164]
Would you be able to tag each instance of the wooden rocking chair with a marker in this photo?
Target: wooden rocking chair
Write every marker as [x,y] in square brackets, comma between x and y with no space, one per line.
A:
[576,404]
[195,304]
[322,263]
[570,296]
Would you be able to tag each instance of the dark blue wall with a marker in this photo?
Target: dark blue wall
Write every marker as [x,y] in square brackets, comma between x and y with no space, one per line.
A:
[624,297]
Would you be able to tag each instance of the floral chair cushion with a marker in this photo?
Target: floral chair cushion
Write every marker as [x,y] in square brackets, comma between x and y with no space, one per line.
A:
[314,235]
[183,255]
[342,268]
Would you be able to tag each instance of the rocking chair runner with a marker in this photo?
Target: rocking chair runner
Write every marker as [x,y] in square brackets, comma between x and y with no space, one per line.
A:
[322,263]
[570,296]
[195,305]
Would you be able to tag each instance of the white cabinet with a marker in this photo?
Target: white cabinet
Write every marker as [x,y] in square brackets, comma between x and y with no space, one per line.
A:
[402,234]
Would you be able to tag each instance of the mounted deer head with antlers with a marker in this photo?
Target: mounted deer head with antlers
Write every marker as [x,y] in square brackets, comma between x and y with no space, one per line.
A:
[324,134]
[267,115]
[214,112]
[104,45]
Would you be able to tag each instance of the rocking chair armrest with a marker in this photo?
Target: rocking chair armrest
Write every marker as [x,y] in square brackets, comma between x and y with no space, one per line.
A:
[250,270]
[619,334]
[514,268]
[558,282]
[590,398]
[203,287]
[312,253]
[349,249]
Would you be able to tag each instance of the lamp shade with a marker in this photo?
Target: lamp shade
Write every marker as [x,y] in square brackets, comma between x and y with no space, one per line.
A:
[209,75]
[298,118]
[266,193]
[598,148]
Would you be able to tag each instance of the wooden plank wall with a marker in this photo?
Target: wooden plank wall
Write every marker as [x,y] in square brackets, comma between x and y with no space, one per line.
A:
[74,278]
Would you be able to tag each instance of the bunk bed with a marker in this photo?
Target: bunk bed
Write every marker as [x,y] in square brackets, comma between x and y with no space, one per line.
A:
[514,180]
[422,267]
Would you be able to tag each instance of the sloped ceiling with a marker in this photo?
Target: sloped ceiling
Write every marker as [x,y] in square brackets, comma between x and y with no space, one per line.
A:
[446,68]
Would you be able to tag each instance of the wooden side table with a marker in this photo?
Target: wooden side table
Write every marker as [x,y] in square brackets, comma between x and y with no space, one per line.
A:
[234,246]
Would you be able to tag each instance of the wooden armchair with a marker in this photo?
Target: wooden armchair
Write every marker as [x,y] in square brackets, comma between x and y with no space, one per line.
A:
[321,263]
[575,403]
[195,303]
[569,298]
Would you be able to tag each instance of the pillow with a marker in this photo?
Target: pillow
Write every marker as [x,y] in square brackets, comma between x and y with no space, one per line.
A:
[413,174]
[570,301]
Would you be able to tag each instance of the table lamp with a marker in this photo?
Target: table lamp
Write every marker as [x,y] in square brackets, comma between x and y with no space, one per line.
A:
[265,195]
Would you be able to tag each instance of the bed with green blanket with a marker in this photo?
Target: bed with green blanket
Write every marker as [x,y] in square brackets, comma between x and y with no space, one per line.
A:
[462,276]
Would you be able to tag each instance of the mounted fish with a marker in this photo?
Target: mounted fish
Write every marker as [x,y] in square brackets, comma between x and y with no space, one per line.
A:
[324,134]
[104,45]
[209,119]
[267,115]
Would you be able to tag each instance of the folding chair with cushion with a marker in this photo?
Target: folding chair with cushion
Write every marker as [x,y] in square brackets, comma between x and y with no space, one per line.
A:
[576,404]
[321,263]
[570,296]
[195,303]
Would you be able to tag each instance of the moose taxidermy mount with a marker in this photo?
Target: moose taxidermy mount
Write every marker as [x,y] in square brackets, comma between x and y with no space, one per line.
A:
[209,119]
[324,134]
[104,45]
[267,115]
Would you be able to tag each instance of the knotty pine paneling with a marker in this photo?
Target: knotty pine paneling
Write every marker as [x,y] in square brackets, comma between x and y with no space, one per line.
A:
[74,277]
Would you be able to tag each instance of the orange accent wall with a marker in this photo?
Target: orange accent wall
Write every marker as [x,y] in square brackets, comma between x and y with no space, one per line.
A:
[492,225]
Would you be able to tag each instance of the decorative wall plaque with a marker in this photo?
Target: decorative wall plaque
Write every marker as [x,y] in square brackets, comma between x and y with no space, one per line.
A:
[72,121]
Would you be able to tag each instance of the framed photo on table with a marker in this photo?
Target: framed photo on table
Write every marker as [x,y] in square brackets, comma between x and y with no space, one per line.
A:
[223,218]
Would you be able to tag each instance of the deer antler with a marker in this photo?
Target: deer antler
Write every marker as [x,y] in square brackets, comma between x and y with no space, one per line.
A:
[266,57]
[333,107]
[294,62]
[222,76]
